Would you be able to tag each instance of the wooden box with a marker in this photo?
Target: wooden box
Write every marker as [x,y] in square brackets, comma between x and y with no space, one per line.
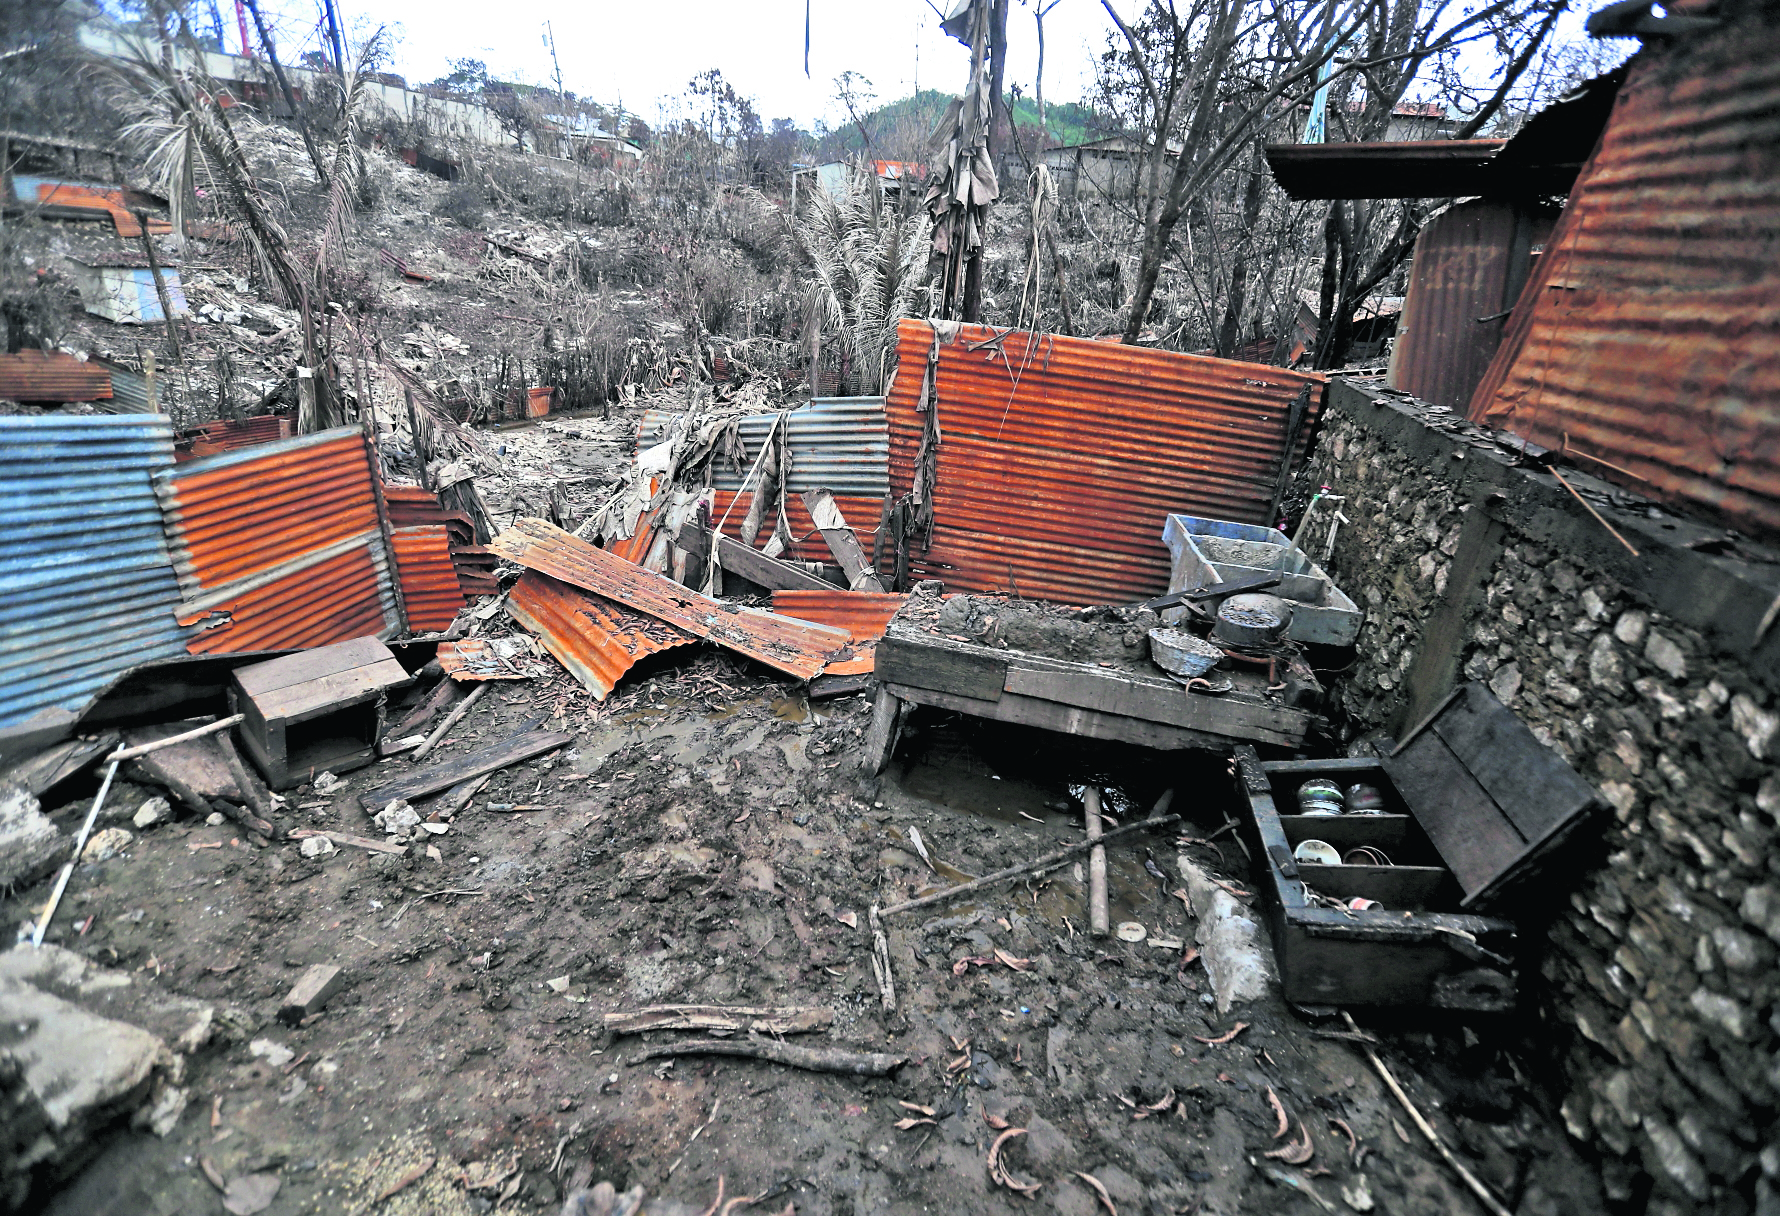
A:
[1475,806]
[321,710]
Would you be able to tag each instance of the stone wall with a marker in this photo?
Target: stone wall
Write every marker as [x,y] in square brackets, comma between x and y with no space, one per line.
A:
[1660,984]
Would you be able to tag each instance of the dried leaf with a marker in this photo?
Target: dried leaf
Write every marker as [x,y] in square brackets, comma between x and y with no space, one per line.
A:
[1225,1037]
[1018,964]
[1099,1189]
[1401,1134]
[408,1179]
[1353,1141]
[1156,1108]
[916,1107]
[998,1170]
[848,918]
[1295,1152]
[903,1125]
[995,1121]
[1279,1112]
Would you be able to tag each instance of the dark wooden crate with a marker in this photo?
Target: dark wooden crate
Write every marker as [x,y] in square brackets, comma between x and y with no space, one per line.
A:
[319,710]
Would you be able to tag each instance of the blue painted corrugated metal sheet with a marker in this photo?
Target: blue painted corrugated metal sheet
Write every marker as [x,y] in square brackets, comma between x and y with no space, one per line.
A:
[840,444]
[87,589]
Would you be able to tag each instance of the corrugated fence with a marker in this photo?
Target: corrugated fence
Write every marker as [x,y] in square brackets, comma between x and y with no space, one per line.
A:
[86,587]
[1060,457]
[1647,337]
[280,544]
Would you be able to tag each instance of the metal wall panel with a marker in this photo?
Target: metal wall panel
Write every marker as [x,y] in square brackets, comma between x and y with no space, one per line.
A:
[86,585]
[430,591]
[52,376]
[253,531]
[1649,337]
[839,444]
[1060,457]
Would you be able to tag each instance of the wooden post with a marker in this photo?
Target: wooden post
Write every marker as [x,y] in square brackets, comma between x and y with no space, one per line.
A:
[1099,920]
[880,737]
[154,268]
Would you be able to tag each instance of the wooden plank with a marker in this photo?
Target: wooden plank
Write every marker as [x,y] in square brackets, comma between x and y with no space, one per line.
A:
[880,739]
[841,541]
[1066,719]
[316,987]
[791,646]
[1345,832]
[1536,790]
[1319,768]
[357,842]
[1398,888]
[825,686]
[282,672]
[751,564]
[925,661]
[789,1019]
[1466,827]
[447,773]
[1160,700]
[295,702]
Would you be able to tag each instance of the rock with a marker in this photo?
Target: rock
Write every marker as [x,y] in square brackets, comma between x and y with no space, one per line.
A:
[1237,958]
[397,819]
[1666,656]
[1357,1194]
[1721,1011]
[315,846]
[215,819]
[274,1053]
[1506,682]
[29,842]
[1757,726]
[1676,1161]
[1630,626]
[251,1193]
[163,1115]
[155,810]
[1046,1146]
[106,844]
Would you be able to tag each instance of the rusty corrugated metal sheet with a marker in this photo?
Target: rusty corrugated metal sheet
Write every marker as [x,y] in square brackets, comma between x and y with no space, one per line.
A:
[864,614]
[807,544]
[1650,334]
[52,376]
[1470,263]
[795,647]
[228,436]
[430,591]
[1059,459]
[279,546]
[412,507]
[594,638]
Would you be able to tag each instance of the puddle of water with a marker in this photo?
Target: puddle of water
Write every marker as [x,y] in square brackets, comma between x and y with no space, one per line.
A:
[791,709]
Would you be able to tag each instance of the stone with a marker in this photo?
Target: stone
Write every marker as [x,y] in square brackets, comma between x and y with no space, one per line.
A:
[315,846]
[1046,1145]
[1594,605]
[105,844]
[1761,908]
[1671,772]
[397,819]
[215,819]
[1757,725]
[1606,670]
[1721,1011]
[151,812]
[1622,1091]
[313,991]
[1621,797]
[1670,707]
[1674,1159]
[1665,655]
[30,845]
[1506,682]
[1767,798]
[274,1053]
[1630,626]
[163,1116]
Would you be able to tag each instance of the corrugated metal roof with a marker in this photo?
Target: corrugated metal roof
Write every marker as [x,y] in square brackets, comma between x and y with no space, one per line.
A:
[796,647]
[1470,263]
[1059,460]
[86,587]
[280,545]
[594,638]
[430,591]
[1648,333]
[52,376]
[837,443]
[864,614]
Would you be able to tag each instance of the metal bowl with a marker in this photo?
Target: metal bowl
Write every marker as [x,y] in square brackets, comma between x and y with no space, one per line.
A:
[1317,853]
[1253,619]
[1181,653]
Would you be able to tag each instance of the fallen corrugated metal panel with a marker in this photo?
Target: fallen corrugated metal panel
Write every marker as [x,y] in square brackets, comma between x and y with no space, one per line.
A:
[1647,337]
[58,197]
[86,584]
[864,614]
[415,507]
[129,392]
[476,659]
[1471,262]
[431,594]
[795,647]
[837,443]
[280,545]
[227,436]
[594,638]
[52,376]
[1058,457]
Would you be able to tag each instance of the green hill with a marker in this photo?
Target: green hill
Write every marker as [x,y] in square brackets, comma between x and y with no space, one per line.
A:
[900,128]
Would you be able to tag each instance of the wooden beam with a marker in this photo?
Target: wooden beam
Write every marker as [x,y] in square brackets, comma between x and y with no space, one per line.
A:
[841,541]
[447,773]
[1067,719]
[751,564]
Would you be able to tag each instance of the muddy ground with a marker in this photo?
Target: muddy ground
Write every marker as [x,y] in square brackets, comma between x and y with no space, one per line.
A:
[707,834]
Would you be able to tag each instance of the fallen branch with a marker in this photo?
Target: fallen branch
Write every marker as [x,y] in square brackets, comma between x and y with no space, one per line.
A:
[463,707]
[815,1059]
[1477,1188]
[789,1020]
[1054,858]
[880,960]
[142,749]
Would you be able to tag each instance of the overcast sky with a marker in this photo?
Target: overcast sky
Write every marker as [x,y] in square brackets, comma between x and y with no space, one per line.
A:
[639,53]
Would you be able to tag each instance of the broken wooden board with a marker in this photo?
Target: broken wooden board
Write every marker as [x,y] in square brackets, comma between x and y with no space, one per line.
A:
[841,541]
[1049,690]
[194,772]
[50,768]
[357,842]
[795,647]
[447,773]
[1064,719]
[796,1019]
[314,990]
[751,564]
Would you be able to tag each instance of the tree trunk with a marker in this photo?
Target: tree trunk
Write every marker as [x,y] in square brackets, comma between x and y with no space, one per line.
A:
[1230,333]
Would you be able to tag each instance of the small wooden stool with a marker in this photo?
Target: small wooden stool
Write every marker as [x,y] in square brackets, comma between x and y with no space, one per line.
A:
[315,711]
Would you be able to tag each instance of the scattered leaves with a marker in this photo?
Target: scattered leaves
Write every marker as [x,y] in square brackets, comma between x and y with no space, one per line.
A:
[998,1169]
[406,1180]
[1353,1141]
[1018,964]
[1279,1112]
[995,1121]
[916,1107]
[903,1125]
[1099,1189]
[1159,1107]
[1295,1152]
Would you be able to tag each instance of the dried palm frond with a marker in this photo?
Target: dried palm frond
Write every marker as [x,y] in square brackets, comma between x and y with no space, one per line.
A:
[868,266]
